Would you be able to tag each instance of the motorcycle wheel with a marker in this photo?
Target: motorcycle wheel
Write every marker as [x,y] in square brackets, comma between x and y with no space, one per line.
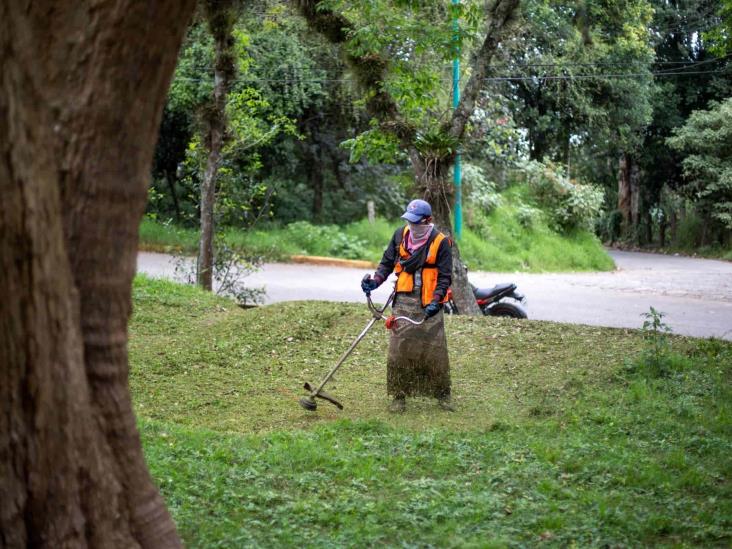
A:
[510,310]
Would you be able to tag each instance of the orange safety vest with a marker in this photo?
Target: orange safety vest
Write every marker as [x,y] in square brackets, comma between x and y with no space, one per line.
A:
[405,280]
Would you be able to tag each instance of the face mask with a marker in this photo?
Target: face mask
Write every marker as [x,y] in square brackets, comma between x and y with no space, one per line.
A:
[419,231]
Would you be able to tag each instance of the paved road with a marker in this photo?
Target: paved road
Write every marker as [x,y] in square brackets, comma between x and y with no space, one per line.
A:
[695,294]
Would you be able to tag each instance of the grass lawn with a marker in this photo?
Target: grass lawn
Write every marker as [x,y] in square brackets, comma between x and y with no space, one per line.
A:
[563,435]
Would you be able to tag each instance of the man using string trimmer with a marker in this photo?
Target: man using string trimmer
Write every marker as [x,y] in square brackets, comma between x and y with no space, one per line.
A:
[421,257]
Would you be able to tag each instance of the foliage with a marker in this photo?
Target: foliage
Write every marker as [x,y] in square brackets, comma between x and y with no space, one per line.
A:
[527,216]
[719,37]
[570,204]
[480,192]
[252,123]
[557,444]
[230,268]
[305,235]
[609,226]
[657,355]
[375,146]
[689,77]
[575,84]
[503,240]
[705,142]
[560,76]
[494,138]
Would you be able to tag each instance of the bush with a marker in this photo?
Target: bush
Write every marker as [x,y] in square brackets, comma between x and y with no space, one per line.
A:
[480,191]
[528,216]
[571,205]
[328,240]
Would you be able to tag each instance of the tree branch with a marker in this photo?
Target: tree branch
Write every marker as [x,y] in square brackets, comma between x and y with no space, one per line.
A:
[370,70]
[501,16]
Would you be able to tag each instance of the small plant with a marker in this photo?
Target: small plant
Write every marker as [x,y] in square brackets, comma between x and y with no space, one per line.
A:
[230,268]
[657,358]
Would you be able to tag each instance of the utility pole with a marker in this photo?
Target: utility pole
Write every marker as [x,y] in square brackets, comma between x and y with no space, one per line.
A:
[457,170]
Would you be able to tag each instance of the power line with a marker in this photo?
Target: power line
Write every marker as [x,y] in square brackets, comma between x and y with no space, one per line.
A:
[680,68]
[602,76]
[491,78]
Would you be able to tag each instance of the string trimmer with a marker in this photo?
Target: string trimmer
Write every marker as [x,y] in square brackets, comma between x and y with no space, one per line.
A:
[308,402]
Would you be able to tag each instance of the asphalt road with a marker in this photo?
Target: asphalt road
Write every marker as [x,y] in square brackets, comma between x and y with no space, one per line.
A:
[695,294]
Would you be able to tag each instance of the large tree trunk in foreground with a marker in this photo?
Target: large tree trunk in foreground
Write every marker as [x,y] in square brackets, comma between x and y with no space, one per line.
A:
[432,182]
[81,92]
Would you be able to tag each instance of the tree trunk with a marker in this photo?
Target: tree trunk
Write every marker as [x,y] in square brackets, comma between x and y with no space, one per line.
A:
[204,266]
[635,199]
[214,139]
[82,88]
[624,193]
[662,232]
[315,153]
[648,226]
[432,182]
[220,23]
[316,183]
[170,179]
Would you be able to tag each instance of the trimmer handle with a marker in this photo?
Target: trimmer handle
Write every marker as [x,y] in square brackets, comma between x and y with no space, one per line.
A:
[391,321]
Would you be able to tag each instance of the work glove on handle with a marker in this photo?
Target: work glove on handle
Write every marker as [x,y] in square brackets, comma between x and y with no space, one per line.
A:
[369,284]
[432,309]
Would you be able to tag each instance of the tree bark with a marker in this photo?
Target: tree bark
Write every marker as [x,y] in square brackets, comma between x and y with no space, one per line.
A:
[220,22]
[625,193]
[315,153]
[432,182]
[82,88]
[662,233]
[635,197]
[170,180]
[501,16]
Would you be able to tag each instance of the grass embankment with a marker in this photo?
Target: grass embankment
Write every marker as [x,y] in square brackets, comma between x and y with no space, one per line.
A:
[559,438]
[497,242]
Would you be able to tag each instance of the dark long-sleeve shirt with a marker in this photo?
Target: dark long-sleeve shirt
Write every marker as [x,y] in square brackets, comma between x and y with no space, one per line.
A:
[443,262]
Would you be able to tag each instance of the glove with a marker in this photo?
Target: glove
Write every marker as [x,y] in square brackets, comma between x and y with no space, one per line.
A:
[368,284]
[432,309]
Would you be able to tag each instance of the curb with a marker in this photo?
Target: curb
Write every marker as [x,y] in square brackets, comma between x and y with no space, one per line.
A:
[333,261]
[305,259]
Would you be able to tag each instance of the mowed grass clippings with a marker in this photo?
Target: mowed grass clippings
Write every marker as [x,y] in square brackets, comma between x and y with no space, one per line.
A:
[559,438]
[202,361]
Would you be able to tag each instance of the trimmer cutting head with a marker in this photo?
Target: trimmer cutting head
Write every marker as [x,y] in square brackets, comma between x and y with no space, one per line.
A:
[309,404]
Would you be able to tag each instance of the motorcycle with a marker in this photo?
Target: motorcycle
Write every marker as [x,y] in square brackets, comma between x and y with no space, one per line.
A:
[490,301]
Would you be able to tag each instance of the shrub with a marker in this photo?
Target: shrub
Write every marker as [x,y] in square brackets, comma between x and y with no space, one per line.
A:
[570,204]
[325,240]
[480,191]
[527,216]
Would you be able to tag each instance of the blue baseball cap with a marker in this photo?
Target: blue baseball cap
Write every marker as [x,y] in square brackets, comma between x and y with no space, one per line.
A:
[417,210]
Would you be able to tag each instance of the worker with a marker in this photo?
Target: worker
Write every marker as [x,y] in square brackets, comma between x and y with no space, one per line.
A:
[421,256]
